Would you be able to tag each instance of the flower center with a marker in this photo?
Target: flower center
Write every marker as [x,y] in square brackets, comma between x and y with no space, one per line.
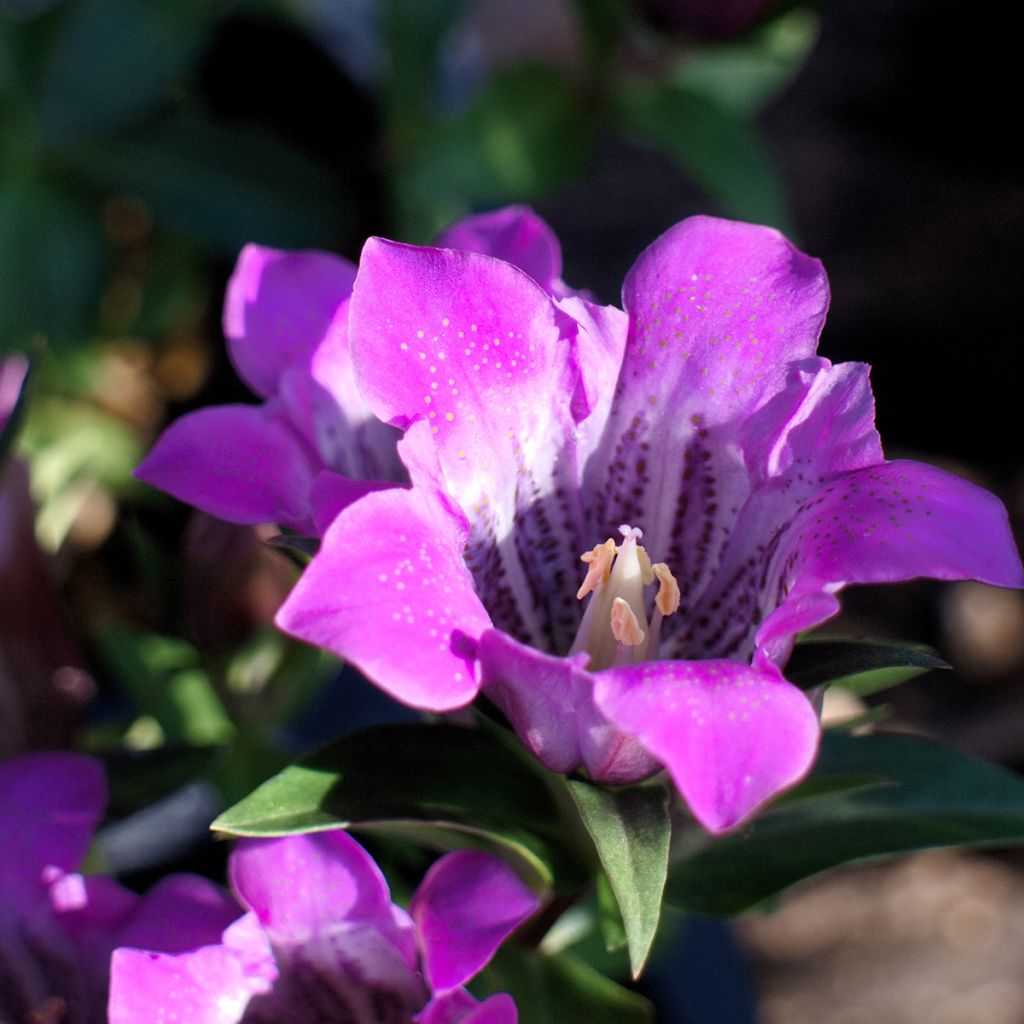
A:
[615,629]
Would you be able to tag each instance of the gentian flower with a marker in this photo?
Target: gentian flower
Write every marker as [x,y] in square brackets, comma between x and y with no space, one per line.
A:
[539,430]
[313,445]
[322,942]
[58,928]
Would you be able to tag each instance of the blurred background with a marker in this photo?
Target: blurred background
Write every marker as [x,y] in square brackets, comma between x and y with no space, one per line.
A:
[143,142]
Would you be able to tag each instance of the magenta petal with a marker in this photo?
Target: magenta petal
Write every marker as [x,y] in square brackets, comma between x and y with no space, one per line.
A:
[718,312]
[514,234]
[50,805]
[901,520]
[300,885]
[13,370]
[731,736]
[208,986]
[734,304]
[475,347]
[179,913]
[389,591]
[459,1007]
[468,903]
[549,702]
[278,308]
[472,346]
[235,462]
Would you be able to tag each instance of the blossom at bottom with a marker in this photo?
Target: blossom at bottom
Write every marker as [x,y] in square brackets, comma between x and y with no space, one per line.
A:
[57,927]
[322,942]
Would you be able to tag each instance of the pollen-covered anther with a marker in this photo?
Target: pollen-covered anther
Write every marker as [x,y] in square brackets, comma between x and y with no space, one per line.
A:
[625,627]
[599,560]
[667,599]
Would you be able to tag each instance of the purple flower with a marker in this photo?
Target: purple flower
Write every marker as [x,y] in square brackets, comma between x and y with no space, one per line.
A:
[58,928]
[541,430]
[313,445]
[322,941]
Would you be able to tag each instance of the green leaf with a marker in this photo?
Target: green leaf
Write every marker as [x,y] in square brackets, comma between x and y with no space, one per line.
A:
[718,148]
[745,74]
[51,264]
[631,830]
[862,666]
[163,677]
[113,64]
[560,989]
[927,796]
[425,782]
[522,136]
[222,184]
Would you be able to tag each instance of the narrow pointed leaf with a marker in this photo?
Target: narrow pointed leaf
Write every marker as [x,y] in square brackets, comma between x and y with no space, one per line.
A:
[631,830]
[421,781]
[860,665]
[925,796]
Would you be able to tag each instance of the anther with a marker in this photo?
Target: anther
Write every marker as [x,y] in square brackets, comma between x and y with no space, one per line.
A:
[625,627]
[667,600]
[599,560]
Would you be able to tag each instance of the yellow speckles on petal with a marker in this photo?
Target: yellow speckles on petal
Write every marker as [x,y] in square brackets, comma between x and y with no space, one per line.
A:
[625,627]
[445,322]
[419,334]
[449,416]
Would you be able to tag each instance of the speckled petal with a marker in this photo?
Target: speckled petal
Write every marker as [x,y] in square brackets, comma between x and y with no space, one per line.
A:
[388,591]
[718,310]
[819,425]
[474,347]
[207,986]
[278,308]
[514,234]
[235,462]
[886,523]
[549,702]
[731,736]
[299,885]
[49,806]
[468,903]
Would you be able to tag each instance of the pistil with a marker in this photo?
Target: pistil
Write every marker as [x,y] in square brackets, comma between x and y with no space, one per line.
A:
[615,628]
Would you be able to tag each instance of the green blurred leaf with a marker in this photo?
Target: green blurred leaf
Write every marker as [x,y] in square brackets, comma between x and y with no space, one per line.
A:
[744,75]
[70,440]
[719,149]
[862,666]
[931,796]
[418,780]
[631,830]
[222,184]
[113,63]
[560,989]
[163,677]
[414,31]
[522,136]
[51,264]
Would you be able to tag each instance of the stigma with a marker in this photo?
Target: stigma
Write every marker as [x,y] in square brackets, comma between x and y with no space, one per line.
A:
[615,629]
